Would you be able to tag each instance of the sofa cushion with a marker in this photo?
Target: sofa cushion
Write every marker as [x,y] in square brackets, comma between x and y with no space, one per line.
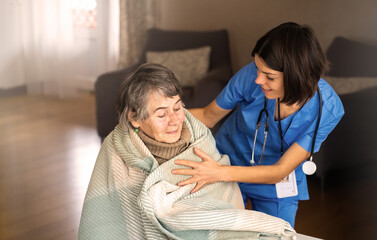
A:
[345,85]
[189,66]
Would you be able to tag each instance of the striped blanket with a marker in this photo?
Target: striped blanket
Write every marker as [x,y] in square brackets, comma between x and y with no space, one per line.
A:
[131,197]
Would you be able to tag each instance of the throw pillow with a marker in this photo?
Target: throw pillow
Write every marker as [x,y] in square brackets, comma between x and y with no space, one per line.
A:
[189,66]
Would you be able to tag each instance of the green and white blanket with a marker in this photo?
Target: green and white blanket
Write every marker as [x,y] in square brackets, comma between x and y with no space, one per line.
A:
[131,197]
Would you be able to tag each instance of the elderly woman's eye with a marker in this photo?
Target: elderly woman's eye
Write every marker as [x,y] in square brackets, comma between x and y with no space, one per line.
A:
[161,116]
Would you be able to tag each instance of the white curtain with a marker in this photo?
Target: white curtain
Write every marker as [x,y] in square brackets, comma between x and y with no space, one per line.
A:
[113,34]
[48,47]
[53,48]
[136,17]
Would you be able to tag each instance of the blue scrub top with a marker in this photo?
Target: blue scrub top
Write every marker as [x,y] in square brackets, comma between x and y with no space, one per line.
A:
[235,137]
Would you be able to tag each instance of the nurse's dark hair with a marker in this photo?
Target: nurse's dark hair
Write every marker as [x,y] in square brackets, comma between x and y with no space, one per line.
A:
[149,78]
[294,50]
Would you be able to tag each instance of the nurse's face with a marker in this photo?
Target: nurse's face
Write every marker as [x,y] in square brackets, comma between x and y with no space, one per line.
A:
[165,118]
[269,80]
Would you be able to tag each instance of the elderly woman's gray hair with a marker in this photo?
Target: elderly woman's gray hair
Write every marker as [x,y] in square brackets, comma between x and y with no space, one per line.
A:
[135,89]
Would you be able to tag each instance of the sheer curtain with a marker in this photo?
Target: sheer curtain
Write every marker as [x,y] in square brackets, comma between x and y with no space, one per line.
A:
[136,17]
[53,49]
[48,47]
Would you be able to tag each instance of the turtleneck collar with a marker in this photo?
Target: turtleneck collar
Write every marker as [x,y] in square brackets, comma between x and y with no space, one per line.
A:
[165,151]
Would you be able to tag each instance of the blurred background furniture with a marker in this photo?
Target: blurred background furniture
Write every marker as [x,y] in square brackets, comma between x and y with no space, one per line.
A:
[351,149]
[219,73]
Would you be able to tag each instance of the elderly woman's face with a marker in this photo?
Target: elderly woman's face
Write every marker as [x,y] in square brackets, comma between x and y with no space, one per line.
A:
[166,116]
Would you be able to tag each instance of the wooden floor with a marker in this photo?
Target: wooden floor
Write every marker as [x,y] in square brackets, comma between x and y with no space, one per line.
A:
[47,152]
[347,209]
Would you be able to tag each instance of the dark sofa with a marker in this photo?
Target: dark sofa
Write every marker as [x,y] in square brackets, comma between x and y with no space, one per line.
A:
[351,149]
[220,71]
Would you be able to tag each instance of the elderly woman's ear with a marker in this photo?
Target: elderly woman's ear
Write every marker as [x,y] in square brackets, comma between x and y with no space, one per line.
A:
[134,123]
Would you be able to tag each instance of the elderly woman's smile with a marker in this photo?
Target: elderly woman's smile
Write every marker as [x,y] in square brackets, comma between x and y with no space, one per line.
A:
[165,118]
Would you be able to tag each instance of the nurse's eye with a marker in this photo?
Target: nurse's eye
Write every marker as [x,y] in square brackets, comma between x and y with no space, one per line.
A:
[270,78]
[177,109]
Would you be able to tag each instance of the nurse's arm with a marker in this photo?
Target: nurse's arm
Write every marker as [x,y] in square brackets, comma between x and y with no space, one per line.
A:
[210,114]
[269,174]
[209,171]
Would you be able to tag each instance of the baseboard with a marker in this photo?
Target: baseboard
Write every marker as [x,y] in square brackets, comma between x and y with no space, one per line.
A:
[15,91]
[78,84]
[84,83]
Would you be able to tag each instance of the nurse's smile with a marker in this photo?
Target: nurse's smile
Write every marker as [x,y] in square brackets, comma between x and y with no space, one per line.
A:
[265,91]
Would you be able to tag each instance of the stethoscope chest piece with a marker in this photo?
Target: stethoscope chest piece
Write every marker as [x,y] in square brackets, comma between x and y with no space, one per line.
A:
[309,167]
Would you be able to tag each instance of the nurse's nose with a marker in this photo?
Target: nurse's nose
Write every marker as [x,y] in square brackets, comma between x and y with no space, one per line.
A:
[260,79]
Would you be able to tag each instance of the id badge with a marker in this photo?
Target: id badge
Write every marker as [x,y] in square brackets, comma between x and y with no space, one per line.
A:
[287,187]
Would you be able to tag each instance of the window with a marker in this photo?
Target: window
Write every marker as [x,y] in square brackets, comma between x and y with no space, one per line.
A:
[85,13]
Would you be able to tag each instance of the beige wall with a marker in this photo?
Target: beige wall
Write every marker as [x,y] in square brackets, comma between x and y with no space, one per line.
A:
[247,20]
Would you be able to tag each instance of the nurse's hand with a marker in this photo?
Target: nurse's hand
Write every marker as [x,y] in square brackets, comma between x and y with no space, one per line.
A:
[205,172]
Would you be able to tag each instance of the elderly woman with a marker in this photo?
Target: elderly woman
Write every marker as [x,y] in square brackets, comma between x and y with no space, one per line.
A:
[132,193]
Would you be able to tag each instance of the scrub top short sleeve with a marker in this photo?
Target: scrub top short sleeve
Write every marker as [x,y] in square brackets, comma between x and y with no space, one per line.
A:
[332,112]
[239,88]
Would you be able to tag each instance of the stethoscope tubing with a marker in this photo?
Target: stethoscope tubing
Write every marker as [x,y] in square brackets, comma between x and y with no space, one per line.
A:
[264,110]
[317,125]
[266,128]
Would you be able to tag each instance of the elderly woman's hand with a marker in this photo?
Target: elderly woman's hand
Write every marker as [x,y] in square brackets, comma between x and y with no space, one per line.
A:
[205,172]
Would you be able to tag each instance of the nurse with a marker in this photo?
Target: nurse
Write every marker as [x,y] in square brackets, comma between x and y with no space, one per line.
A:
[284,80]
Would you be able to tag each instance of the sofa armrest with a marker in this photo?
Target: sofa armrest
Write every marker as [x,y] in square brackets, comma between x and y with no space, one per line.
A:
[106,92]
[353,141]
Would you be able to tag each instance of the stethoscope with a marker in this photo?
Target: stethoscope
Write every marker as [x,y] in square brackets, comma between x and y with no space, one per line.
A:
[309,166]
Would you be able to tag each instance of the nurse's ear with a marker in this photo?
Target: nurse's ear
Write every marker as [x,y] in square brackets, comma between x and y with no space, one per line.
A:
[133,122]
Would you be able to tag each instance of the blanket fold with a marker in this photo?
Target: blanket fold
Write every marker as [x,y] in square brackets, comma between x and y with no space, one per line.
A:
[131,197]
